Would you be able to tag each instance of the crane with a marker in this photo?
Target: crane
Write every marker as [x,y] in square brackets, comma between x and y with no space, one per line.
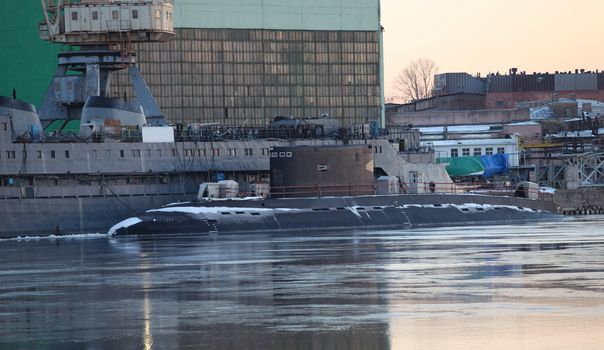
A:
[100,35]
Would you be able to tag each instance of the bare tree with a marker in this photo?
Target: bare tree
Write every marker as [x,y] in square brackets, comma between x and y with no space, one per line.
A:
[416,81]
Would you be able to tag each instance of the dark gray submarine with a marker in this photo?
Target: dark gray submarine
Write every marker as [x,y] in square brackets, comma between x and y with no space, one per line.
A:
[345,199]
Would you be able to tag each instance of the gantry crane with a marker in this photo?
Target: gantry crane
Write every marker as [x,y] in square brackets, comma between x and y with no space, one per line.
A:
[100,35]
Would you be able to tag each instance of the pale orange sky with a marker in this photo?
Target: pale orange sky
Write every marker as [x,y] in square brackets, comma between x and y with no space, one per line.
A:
[493,35]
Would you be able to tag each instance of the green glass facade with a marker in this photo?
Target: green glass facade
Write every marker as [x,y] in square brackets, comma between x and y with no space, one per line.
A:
[27,62]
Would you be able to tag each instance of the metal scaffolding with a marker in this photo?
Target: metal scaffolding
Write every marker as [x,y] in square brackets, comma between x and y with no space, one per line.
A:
[589,168]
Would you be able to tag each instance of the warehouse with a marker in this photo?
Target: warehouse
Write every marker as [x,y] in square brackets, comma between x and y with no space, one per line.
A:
[238,63]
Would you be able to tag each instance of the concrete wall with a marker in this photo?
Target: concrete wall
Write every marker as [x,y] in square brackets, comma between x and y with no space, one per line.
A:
[439,118]
[278,14]
[527,132]
[576,199]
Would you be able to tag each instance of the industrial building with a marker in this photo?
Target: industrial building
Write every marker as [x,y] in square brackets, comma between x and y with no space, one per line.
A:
[506,91]
[238,63]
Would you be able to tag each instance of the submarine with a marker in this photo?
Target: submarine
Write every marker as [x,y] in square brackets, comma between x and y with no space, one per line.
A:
[329,188]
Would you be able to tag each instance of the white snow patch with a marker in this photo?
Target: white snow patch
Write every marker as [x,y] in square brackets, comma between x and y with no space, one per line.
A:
[123,224]
[214,210]
[256,198]
[355,210]
[549,190]
[466,206]
[543,112]
[54,237]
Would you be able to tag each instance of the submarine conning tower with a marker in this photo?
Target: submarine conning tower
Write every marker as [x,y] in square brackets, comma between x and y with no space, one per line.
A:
[100,34]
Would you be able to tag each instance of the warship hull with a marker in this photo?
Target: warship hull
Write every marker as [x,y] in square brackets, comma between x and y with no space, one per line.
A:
[62,216]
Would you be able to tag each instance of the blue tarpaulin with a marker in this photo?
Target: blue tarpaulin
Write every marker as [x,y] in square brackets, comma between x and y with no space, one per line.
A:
[495,164]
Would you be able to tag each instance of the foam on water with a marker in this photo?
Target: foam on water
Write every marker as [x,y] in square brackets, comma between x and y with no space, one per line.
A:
[54,237]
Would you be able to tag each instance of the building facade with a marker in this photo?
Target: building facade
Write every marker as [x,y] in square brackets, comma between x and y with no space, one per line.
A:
[241,62]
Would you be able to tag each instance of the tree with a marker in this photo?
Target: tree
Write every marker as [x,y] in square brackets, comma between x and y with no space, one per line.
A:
[416,81]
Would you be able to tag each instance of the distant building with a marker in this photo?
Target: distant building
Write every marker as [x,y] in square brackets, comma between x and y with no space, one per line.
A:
[505,91]
[478,147]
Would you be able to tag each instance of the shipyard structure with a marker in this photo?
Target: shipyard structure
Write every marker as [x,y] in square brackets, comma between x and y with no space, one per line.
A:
[147,99]
[237,63]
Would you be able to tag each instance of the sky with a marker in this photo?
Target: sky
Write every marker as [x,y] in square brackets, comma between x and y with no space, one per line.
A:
[489,36]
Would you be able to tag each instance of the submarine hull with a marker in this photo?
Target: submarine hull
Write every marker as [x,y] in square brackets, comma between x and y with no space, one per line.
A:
[371,212]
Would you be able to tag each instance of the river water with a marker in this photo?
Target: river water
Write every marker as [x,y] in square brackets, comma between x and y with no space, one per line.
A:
[529,286]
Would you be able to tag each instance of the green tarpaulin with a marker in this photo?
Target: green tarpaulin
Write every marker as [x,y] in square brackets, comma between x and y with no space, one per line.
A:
[463,166]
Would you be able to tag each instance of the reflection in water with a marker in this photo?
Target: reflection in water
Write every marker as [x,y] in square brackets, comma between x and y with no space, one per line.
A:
[147,336]
[535,287]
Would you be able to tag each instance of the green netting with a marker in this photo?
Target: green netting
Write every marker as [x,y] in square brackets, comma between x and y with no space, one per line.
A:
[72,127]
[463,166]
[55,125]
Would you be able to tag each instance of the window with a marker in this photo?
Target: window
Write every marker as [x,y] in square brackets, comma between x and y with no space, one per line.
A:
[249,152]
[53,154]
[115,15]
[465,152]
[122,155]
[66,154]
[188,153]
[95,15]
[477,152]
[232,152]
[39,154]
[265,152]
[10,155]
[159,153]
[93,153]
[136,153]
[501,150]
[454,153]
[134,14]
[201,152]
[148,153]
[158,14]
[108,153]
[74,16]
[488,151]
[215,152]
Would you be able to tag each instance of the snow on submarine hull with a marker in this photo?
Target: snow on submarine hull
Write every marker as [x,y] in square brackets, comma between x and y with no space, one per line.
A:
[332,213]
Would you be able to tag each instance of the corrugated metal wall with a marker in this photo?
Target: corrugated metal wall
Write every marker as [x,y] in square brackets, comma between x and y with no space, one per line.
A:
[251,76]
[500,83]
[353,15]
[453,83]
[545,82]
[578,82]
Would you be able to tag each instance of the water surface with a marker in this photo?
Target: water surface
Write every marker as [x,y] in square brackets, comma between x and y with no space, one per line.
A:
[529,286]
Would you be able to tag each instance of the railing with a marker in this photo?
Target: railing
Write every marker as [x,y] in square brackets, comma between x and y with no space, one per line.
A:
[321,190]
[118,26]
